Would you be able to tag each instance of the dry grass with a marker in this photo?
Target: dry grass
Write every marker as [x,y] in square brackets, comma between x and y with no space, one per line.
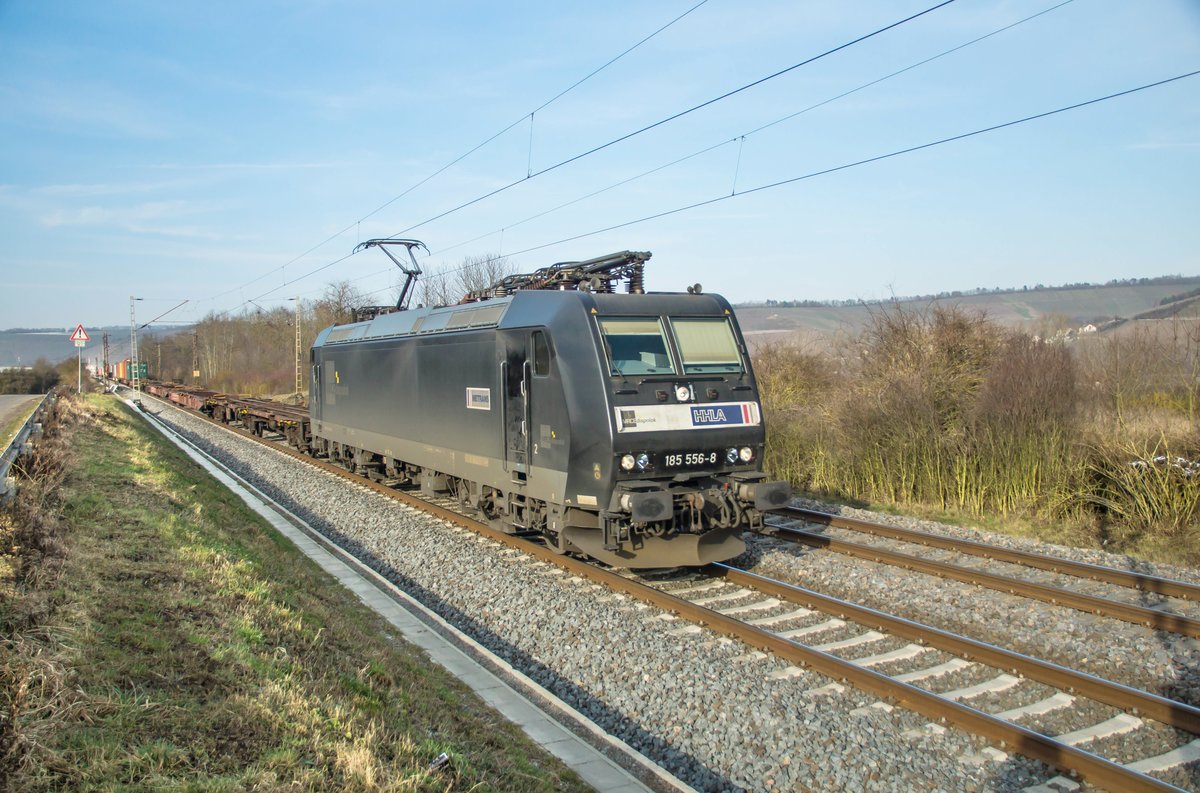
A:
[945,413]
[179,642]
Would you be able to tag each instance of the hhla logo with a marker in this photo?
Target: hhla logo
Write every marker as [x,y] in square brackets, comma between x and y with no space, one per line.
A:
[709,416]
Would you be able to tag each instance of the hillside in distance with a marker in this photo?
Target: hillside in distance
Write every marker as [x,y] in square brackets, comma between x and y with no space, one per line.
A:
[1037,309]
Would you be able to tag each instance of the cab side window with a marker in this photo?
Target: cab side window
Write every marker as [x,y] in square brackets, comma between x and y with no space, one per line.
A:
[541,354]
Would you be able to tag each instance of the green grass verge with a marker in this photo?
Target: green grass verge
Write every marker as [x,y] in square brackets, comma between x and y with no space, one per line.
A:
[203,652]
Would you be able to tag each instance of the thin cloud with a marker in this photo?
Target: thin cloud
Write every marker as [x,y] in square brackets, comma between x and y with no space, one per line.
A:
[1165,145]
[247,166]
[153,217]
[79,106]
[100,189]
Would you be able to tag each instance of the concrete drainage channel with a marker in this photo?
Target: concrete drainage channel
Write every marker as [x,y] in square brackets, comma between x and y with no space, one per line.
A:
[604,762]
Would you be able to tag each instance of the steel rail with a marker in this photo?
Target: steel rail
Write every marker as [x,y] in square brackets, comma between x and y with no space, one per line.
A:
[1139,615]
[1167,711]
[1094,768]
[1168,587]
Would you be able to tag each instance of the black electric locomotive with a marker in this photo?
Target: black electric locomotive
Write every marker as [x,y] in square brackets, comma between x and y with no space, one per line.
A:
[626,427]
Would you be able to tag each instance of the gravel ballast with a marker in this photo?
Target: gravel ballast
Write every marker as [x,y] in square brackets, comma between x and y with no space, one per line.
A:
[701,706]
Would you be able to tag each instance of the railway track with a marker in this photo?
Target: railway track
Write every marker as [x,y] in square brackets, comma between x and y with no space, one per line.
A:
[781,618]
[768,608]
[1166,587]
[1153,617]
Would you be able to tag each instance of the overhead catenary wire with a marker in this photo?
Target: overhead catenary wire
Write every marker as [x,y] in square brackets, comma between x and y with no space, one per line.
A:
[648,127]
[854,164]
[467,153]
[160,316]
[675,116]
[740,138]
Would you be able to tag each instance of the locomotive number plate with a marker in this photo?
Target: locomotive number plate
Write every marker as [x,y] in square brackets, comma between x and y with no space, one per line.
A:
[691,459]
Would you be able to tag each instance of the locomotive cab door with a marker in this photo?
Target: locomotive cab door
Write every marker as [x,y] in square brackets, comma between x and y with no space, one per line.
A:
[314,387]
[515,377]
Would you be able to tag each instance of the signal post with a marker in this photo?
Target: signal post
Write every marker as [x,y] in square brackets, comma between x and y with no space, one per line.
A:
[81,338]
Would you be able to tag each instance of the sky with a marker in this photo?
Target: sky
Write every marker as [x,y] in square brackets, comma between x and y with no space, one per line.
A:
[234,154]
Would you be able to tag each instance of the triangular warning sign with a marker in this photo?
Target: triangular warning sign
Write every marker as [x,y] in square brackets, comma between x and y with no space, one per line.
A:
[80,334]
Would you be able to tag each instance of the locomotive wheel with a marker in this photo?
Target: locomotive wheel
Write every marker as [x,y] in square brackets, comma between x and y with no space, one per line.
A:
[496,521]
[556,542]
[491,514]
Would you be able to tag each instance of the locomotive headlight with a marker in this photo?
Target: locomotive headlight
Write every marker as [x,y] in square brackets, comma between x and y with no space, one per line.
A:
[627,462]
[643,461]
[731,455]
[683,393]
[746,454]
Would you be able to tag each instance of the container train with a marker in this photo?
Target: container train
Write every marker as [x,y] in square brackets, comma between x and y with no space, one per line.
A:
[625,427]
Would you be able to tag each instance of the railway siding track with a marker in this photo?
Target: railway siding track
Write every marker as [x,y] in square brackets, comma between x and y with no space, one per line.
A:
[1167,587]
[744,608]
[1107,606]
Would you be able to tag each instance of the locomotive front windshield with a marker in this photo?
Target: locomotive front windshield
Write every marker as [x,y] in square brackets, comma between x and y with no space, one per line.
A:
[636,345]
[706,344]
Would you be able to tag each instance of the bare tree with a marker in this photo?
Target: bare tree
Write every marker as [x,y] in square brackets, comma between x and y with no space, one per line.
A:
[337,303]
[434,288]
[444,286]
[479,272]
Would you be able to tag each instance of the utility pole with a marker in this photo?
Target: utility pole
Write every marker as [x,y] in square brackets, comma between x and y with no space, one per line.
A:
[299,380]
[158,367]
[104,338]
[195,357]
[134,379]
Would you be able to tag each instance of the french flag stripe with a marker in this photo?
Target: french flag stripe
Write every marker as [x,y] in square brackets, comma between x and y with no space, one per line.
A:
[745,413]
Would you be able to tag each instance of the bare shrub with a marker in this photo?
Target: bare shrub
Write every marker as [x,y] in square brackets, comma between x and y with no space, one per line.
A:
[942,408]
[1023,430]
[1145,369]
[1030,386]
[792,378]
[796,387]
[946,346]
[902,424]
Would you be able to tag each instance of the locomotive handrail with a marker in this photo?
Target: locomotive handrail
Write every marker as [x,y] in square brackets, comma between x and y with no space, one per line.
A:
[527,417]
